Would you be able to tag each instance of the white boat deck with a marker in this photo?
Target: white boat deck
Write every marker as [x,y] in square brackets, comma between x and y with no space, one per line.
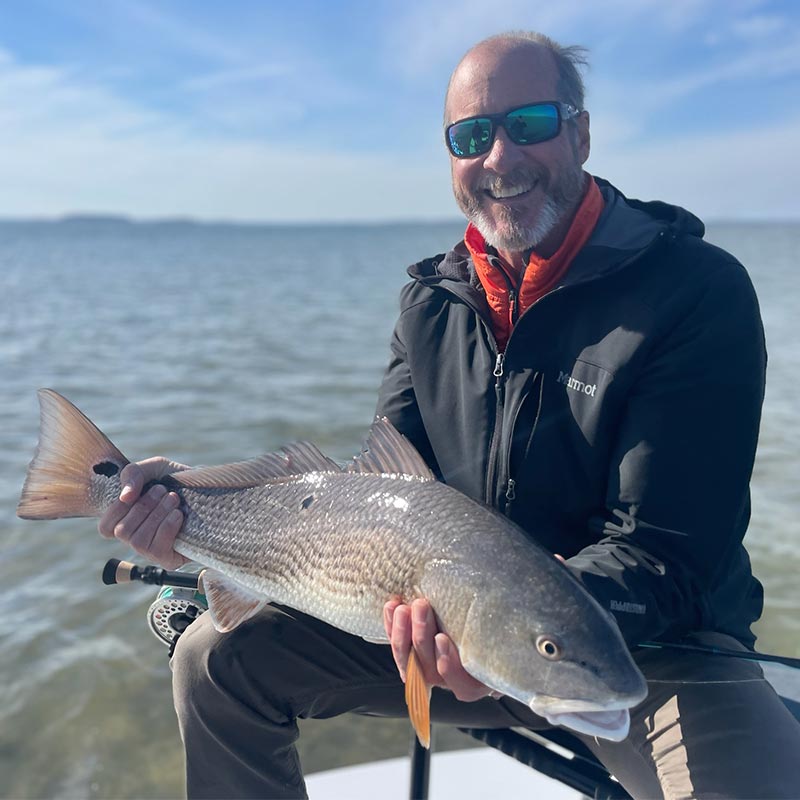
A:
[475,774]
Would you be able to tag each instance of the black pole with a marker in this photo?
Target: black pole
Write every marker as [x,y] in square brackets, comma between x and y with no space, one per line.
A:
[747,655]
[420,769]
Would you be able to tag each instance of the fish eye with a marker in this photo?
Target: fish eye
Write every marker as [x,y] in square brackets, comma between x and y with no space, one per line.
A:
[549,647]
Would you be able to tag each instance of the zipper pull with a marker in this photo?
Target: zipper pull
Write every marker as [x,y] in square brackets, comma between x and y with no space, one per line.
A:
[511,495]
[512,306]
[498,365]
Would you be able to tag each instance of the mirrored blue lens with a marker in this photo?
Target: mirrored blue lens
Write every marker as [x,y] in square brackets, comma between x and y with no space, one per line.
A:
[532,124]
[471,137]
[528,125]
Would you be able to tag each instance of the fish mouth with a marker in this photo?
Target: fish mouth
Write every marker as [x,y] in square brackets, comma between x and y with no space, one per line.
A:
[610,720]
[611,725]
[546,704]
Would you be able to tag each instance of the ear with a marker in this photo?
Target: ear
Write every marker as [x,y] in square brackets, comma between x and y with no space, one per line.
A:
[584,138]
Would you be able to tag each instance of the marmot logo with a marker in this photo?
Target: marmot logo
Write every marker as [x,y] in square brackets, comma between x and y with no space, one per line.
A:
[628,608]
[576,385]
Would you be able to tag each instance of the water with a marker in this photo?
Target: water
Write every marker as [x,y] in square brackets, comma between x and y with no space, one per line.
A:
[210,344]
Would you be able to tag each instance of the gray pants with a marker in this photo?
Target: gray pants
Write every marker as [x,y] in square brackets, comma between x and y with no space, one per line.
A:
[710,727]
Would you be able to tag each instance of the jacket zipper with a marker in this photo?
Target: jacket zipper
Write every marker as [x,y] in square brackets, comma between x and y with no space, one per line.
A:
[510,482]
[499,393]
[494,444]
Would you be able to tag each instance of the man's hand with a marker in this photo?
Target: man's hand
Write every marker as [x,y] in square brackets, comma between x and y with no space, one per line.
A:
[415,625]
[149,523]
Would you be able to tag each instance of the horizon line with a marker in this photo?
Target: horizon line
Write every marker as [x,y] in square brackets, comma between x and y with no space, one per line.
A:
[73,218]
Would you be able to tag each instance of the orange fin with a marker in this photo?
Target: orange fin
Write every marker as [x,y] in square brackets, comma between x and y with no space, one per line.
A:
[72,454]
[418,700]
[228,603]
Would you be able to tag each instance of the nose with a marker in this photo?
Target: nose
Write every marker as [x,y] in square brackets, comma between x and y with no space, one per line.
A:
[504,153]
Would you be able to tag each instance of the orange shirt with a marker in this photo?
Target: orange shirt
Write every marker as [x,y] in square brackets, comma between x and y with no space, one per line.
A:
[541,274]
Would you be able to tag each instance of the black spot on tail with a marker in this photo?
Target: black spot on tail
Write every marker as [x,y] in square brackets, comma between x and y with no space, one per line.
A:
[107,468]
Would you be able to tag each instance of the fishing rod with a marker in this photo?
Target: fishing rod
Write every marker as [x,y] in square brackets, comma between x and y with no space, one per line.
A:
[747,655]
[116,571]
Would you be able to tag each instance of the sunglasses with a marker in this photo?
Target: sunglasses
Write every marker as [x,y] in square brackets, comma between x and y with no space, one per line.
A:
[531,124]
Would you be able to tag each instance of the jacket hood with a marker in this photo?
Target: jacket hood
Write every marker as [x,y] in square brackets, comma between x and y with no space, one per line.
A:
[625,228]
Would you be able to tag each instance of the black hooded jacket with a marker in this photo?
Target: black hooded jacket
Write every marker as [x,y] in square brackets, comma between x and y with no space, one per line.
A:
[619,427]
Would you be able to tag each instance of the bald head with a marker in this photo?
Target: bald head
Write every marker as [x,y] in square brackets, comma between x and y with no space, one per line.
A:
[527,57]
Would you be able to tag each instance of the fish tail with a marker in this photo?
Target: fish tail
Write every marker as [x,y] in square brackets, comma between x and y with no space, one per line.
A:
[72,467]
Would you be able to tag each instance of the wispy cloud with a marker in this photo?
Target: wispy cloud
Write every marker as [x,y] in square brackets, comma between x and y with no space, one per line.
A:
[177,32]
[36,101]
[232,77]
[424,35]
[271,119]
[749,26]
[624,105]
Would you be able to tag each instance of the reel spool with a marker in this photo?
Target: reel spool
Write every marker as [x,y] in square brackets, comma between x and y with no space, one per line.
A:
[173,610]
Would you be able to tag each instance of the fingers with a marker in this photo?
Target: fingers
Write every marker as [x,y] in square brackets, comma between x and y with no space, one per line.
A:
[134,476]
[388,613]
[453,674]
[400,638]
[149,526]
[163,543]
[423,631]
[415,626]
[412,626]
[149,523]
[139,526]
[112,516]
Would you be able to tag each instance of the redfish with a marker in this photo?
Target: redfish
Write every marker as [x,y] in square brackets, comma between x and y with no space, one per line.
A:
[295,528]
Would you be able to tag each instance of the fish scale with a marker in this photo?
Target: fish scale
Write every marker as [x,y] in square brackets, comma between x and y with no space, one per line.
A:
[342,572]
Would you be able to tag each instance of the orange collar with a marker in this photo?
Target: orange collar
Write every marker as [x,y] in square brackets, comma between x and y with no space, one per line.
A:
[508,297]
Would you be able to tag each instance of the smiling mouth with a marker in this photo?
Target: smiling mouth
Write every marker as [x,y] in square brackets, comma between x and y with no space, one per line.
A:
[510,192]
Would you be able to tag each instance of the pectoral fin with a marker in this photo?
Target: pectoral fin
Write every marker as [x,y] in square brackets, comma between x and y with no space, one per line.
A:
[228,603]
[418,700]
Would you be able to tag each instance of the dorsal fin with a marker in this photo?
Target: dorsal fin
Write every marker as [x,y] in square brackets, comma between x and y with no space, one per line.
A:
[294,459]
[387,452]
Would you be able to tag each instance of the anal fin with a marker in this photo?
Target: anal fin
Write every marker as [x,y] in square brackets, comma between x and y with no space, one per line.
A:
[228,603]
[418,700]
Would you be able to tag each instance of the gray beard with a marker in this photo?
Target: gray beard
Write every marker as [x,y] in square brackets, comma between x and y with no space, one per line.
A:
[516,237]
[512,234]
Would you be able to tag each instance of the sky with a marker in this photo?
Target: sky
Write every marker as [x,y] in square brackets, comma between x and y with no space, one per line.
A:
[318,110]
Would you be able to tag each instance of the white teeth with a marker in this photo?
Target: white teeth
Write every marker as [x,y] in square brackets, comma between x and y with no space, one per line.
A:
[502,193]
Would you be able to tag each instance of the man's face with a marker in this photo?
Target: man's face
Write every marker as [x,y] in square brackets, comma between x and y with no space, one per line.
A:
[516,195]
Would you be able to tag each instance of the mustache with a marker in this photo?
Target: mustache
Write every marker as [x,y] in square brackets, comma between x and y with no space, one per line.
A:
[520,177]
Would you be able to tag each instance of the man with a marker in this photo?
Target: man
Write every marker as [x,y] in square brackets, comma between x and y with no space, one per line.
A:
[591,367]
